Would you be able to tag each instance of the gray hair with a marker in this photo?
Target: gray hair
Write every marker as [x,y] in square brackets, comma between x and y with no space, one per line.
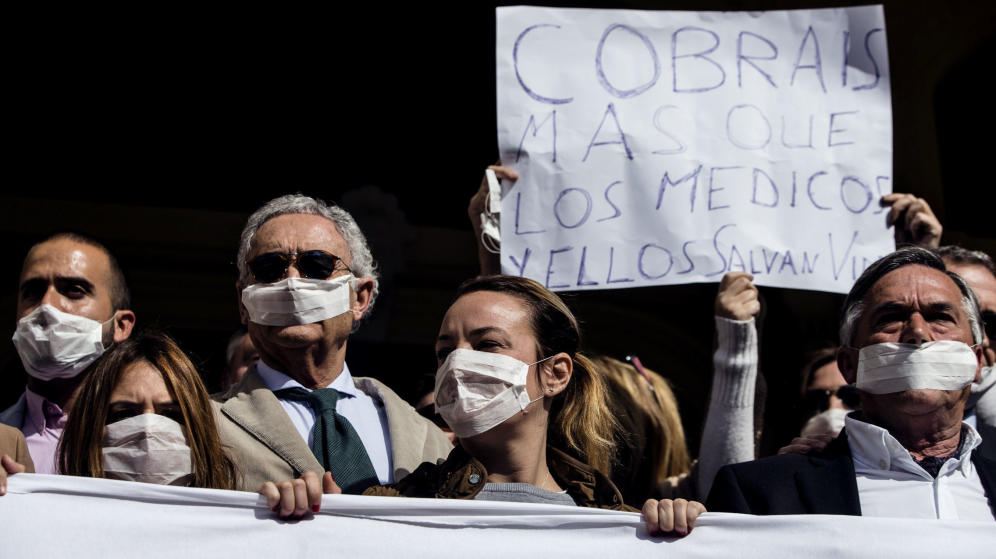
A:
[361,261]
[906,256]
[960,255]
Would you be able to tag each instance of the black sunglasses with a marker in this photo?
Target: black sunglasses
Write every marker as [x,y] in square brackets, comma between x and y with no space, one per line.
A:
[819,399]
[314,264]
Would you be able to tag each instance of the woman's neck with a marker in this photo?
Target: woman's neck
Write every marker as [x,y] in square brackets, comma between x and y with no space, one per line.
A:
[514,454]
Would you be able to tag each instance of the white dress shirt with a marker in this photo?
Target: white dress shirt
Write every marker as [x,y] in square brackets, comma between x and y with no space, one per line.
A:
[366,414]
[892,484]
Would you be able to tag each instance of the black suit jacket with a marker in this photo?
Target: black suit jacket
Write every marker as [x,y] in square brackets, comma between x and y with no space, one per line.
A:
[822,483]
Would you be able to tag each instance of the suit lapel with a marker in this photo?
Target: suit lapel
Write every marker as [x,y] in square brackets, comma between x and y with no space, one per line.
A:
[830,487]
[254,407]
[406,451]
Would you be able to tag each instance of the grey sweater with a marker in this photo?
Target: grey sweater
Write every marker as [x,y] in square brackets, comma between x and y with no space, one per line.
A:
[728,436]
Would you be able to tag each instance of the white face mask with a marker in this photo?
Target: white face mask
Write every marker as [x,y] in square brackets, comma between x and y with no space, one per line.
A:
[477,390]
[150,448]
[828,422]
[893,367]
[53,344]
[297,300]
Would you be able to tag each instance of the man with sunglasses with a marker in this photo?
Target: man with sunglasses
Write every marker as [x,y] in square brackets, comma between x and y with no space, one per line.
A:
[306,279]
[911,341]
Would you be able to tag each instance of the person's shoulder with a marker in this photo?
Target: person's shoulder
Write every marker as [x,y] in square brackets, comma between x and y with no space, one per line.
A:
[447,479]
[14,415]
[383,395]
[425,441]
[782,464]
[10,434]
[249,382]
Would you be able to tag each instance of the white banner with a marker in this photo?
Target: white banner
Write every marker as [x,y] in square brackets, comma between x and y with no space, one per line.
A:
[57,516]
[672,147]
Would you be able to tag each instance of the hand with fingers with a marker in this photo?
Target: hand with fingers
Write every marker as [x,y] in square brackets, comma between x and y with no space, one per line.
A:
[667,517]
[295,498]
[806,445]
[738,297]
[914,220]
[479,205]
[8,467]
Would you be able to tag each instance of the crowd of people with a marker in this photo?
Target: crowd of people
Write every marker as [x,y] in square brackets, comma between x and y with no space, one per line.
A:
[902,411]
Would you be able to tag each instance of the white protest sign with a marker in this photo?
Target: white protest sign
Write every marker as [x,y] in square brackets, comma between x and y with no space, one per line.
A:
[672,147]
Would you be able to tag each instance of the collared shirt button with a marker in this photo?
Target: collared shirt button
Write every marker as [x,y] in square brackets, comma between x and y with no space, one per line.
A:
[475,478]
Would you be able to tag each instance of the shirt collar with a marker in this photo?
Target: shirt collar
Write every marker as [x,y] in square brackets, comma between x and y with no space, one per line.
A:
[875,447]
[37,406]
[276,380]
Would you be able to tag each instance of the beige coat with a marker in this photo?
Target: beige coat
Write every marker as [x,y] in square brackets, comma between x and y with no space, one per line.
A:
[12,444]
[266,446]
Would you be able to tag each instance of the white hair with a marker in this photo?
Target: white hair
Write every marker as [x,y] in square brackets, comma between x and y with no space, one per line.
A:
[361,262]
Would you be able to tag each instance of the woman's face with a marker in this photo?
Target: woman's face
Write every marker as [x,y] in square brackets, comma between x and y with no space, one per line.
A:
[487,321]
[491,322]
[141,389]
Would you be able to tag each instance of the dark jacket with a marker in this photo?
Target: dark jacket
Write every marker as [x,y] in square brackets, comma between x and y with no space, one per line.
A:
[821,483]
[462,476]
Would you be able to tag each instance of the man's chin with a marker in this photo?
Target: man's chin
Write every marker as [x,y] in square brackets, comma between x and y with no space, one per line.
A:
[924,401]
[296,335]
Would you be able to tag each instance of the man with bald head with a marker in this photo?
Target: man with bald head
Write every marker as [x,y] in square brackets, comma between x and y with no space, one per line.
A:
[306,279]
[72,304]
[911,339]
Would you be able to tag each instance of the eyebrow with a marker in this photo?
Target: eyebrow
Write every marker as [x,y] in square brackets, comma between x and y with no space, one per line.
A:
[477,332]
[61,280]
[903,307]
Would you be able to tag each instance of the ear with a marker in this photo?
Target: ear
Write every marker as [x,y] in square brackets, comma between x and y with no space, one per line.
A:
[243,313]
[124,323]
[847,362]
[555,374]
[362,296]
[980,355]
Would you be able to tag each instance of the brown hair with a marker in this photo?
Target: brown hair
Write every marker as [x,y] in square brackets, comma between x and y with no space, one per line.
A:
[80,449]
[653,439]
[580,421]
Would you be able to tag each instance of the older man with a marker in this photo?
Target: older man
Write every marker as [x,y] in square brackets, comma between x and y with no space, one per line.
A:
[306,279]
[910,332]
[72,303]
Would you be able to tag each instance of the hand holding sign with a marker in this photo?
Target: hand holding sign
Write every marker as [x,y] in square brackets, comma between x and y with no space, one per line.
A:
[737,298]
[914,220]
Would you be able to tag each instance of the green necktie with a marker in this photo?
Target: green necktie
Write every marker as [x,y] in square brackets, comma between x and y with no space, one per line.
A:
[334,441]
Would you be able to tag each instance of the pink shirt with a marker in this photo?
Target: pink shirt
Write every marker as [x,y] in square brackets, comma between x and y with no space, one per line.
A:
[42,428]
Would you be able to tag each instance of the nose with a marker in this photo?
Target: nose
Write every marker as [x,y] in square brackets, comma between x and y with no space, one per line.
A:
[836,403]
[292,271]
[916,331]
[53,297]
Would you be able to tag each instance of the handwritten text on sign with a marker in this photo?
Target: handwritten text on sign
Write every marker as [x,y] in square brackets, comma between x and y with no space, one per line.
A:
[672,147]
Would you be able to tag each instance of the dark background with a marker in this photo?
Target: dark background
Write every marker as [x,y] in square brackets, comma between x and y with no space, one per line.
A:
[158,130]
